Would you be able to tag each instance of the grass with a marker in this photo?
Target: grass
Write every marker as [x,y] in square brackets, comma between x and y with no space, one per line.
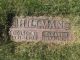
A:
[41,7]
[39,51]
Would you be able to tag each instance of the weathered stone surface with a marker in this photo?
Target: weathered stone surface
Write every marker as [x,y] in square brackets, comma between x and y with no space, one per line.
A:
[40,28]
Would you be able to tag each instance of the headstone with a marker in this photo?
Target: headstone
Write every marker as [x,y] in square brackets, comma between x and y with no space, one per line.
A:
[42,28]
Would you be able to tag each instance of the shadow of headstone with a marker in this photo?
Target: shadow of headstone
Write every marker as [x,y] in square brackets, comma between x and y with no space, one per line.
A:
[1,33]
[9,24]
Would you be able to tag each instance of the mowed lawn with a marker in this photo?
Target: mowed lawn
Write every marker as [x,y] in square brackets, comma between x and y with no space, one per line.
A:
[40,50]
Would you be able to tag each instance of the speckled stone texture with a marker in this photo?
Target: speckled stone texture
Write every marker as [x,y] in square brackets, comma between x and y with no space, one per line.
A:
[33,28]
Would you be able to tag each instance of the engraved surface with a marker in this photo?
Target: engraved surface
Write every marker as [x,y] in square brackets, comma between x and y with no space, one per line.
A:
[40,28]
